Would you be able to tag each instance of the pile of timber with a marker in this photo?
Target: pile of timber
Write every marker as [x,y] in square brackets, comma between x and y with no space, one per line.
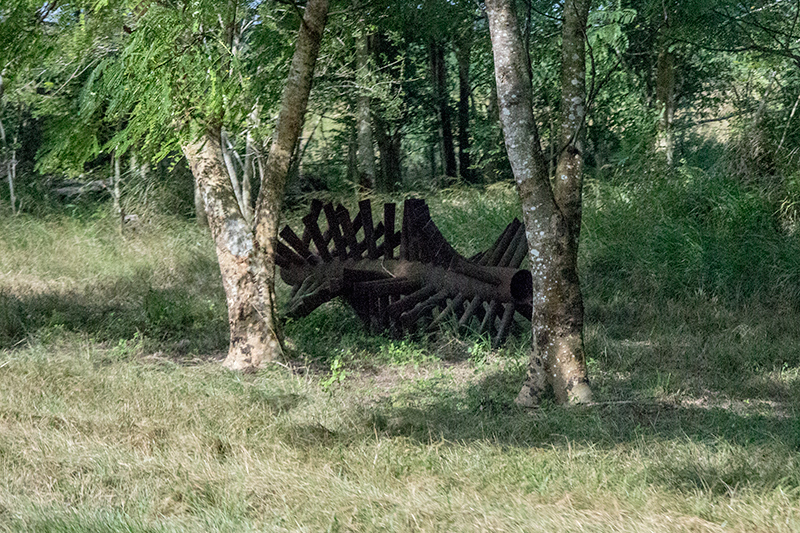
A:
[423,286]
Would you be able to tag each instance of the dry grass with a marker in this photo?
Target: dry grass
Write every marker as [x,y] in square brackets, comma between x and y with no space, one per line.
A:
[110,422]
[90,442]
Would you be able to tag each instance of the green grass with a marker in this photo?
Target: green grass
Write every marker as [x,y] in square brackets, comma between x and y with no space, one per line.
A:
[115,414]
[159,282]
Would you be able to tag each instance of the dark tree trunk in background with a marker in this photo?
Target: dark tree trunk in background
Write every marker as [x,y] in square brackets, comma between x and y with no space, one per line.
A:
[665,92]
[492,169]
[464,91]
[386,128]
[247,255]
[389,148]
[352,152]
[441,97]
[557,354]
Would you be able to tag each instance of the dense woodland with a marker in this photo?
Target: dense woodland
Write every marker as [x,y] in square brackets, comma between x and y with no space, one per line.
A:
[150,151]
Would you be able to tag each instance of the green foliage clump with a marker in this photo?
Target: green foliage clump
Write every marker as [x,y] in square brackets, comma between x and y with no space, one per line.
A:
[675,235]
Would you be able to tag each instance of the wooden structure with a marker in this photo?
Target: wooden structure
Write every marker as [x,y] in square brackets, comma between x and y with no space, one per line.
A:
[421,285]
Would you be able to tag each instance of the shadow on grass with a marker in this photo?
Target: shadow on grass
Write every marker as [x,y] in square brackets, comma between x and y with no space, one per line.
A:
[604,424]
[174,319]
[688,448]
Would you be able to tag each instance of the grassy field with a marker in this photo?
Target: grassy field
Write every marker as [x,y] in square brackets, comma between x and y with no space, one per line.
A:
[115,414]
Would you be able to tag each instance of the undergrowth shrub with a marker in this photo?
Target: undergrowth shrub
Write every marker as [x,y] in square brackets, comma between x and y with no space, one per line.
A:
[692,232]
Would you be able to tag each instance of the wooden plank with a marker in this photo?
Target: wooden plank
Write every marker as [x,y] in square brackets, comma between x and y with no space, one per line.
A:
[519,254]
[501,245]
[365,210]
[313,214]
[339,242]
[387,287]
[312,228]
[505,325]
[472,307]
[411,317]
[349,232]
[404,304]
[291,238]
[488,320]
[388,225]
[383,318]
[287,254]
[453,306]
[519,237]
[474,271]
[404,232]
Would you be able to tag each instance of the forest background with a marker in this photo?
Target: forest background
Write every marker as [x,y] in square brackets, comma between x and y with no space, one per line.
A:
[115,411]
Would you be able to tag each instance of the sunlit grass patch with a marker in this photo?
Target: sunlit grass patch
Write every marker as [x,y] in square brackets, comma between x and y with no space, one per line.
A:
[96,444]
[160,283]
[115,414]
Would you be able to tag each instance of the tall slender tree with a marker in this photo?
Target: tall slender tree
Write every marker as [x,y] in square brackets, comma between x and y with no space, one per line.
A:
[176,82]
[463,49]
[557,354]
[247,256]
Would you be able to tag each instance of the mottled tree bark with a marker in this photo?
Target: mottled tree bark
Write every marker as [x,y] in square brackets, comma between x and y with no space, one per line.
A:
[365,153]
[249,172]
[253,336]
[557,355]
[246,253]
[568,185]
[116,193]
[199,205]
[227,157]
[287,131]
[12,177]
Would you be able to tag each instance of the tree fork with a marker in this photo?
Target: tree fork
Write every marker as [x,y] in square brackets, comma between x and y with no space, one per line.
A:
[557,356]
[247,256]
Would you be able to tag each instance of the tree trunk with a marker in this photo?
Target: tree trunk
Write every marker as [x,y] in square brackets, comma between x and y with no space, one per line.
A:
[568,185]
[251,155]
[116,191]
[557,354]
[439,78]
[365,155]
[253,338]
[268,207]
[389,148]
[227,149]
[464,90]
[248,175]
[199,206]
[12,177]
[351,175]
[665,94]
[246,253]
[492,170]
